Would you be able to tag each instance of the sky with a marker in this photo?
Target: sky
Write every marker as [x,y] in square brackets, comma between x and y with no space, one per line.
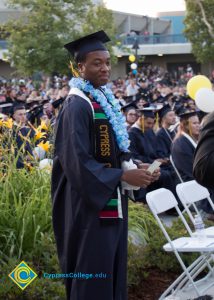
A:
[145,7]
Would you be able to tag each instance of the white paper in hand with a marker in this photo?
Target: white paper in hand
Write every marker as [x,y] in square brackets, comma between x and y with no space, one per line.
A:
[154,166]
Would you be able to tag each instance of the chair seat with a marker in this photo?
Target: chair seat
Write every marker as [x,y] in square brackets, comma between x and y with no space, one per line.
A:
[208,232]
[191,244]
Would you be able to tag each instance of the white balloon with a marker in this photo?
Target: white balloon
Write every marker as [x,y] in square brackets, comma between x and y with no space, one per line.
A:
[204,100]
[133,66]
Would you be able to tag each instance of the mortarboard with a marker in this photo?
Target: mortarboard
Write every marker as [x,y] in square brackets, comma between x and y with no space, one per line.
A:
[187,113]
[17,106]
[86,44]
[128,106]
[164,110]
[143,79]
[148,111]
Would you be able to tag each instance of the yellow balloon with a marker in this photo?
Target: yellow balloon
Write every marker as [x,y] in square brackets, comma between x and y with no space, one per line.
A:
[197,82]
[132,58]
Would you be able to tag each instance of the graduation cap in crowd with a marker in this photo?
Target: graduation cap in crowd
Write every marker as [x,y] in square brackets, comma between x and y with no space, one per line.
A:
[143,79]
[145,95]
[187,113]
[84,45]
[35,113]
[6,108]
[128,106]
[129,99]
[148,112]
[160,99]
[164,110]
[17,106]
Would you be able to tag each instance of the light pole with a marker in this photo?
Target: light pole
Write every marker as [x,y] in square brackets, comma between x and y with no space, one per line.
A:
[136,47]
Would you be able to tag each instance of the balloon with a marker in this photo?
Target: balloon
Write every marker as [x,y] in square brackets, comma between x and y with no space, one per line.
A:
[134,72]
[132,58]
[133,66]
[197,82]
[204,99]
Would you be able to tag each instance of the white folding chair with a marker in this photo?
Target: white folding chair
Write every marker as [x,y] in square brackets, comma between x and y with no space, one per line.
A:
[160,201]
[175,169]
[190,193]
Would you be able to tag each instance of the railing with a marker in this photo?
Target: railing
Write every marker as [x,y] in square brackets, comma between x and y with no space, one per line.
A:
[155,39]
[3,44]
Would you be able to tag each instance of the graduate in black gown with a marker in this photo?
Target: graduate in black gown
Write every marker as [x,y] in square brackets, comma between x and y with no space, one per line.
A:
[23,136]
[183,151]
[164,135]
[89,207]
[144,148]
[130,112]
[184,144]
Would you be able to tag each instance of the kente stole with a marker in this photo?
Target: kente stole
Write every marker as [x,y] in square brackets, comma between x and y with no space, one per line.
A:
[105,153]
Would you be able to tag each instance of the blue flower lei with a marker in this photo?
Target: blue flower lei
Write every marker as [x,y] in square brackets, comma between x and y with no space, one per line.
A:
[111,108]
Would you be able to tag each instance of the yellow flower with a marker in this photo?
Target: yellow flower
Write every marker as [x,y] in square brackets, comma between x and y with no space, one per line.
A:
[45,146]
[1,123]
[43,126]
[8,123]
[39,135]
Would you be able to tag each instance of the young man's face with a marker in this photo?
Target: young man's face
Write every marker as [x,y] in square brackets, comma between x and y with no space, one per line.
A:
[170,118]
[96,68]
[149,123]
[20,117]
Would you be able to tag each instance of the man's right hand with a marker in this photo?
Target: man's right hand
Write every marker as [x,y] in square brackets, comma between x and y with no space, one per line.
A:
[137,177]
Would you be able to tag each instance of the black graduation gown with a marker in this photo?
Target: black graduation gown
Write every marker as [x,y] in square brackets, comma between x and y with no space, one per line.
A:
[203,167]
[80,189]
[27,149]
[140,146]
[164,142]
[182,155]
[143,147]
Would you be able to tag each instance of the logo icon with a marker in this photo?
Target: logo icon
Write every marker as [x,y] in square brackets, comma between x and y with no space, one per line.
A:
[22,275]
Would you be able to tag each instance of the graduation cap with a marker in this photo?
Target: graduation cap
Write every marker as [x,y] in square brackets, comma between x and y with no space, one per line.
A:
[5,104]
[17,106]
[187,113]
[164,110]
[143,79]
[148,111]
[128,106]
[87,44]
[129,98]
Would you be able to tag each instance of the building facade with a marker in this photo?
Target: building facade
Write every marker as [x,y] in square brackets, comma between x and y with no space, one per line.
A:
[156,41]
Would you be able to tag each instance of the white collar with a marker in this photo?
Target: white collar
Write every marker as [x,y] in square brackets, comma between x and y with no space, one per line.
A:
[190,139]
[78,92]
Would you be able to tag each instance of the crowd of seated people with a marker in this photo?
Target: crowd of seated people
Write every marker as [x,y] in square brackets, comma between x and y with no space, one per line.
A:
[162,120]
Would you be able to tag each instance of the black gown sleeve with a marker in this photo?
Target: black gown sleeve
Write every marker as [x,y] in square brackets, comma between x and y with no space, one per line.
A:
[74,149]
[162,144]
[203,167]
[182,155]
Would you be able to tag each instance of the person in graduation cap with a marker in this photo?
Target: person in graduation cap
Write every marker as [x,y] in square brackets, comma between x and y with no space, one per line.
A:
[144,148]
[185,142]
[130,112]
[183,151]
[90,158]
[22,134]
[164,135]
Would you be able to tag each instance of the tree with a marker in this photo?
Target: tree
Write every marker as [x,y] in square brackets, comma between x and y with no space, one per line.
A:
[199,28]
[36,39]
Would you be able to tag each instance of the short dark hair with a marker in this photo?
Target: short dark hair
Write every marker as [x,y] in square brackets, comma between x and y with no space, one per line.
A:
[18,107]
